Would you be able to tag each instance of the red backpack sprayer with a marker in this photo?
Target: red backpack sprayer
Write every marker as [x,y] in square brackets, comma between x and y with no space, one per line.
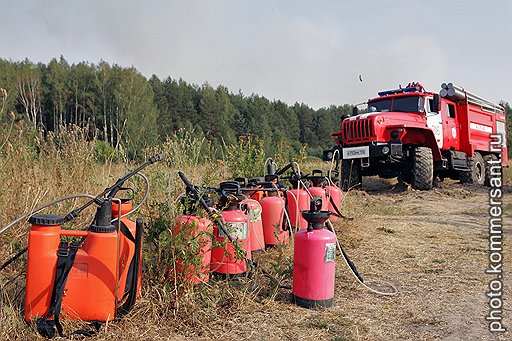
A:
[314,260]
[251,191]
[236,231]
[226,259]
[95,278]
[314,246]
[193,225]
[233,259]
[268,221]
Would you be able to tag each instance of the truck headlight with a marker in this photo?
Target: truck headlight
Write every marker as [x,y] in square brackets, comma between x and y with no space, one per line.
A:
[385,150]
[394,134]
[327,155]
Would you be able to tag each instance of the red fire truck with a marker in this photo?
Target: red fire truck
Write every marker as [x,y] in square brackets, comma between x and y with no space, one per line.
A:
[418,135]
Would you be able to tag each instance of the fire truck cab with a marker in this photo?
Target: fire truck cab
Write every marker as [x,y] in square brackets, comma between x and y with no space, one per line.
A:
[418,135]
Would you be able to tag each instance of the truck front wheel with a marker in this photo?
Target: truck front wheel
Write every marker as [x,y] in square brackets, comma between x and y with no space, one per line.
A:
[350,174]
[423,168]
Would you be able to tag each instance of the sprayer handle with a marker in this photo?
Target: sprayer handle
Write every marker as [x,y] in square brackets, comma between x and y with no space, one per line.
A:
[315,204]
[229,187]
[185,180]
[284,169]
[74,233]
[294,169]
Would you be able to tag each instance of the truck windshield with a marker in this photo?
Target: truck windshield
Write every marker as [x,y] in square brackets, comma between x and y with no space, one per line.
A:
[400,104]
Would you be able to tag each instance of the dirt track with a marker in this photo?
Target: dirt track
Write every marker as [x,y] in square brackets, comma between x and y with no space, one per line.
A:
[431,245]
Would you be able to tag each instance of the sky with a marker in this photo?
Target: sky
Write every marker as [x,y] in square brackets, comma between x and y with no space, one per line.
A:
[311,52]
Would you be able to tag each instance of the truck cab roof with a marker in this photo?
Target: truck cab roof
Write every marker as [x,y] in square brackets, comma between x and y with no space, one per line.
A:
[399,102]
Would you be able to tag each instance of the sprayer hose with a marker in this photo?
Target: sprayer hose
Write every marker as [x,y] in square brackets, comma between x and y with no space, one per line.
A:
[143,200]
[40,208]
[73,196]
[354,272]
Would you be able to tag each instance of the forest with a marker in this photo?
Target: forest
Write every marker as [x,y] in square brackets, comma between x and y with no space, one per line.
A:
[122,109]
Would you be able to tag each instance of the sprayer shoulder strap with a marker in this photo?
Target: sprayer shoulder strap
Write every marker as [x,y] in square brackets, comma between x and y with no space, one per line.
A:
[285,226]
[65,259]
[338,213]
[130,294]
[126,231]
[46,325]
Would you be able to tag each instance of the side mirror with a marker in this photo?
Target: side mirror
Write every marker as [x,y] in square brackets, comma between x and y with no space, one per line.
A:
[436,103]
[355,111]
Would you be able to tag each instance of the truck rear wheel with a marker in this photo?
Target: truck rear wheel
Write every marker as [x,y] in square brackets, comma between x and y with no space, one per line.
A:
[477,174]
[350,174]
[423,168]
[488,173]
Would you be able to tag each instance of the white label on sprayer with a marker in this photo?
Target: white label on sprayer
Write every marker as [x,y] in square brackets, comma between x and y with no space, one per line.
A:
[330,252]
[236,230]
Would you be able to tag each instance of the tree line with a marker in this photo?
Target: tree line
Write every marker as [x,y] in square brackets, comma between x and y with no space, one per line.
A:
[121,107]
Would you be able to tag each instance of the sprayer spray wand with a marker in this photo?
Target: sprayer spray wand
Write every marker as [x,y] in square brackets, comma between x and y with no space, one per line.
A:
[112,190]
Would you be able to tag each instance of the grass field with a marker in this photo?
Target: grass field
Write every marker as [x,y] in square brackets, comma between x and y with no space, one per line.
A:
[430,245]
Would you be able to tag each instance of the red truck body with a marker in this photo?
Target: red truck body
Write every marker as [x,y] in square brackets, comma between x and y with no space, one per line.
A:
[419,135]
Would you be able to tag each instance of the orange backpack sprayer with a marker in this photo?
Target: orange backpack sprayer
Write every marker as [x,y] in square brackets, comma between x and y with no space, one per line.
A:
[256,184]
[94,278]
[273,207]
[194,226]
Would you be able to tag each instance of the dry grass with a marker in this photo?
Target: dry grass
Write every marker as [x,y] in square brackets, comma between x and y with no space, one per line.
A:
[507,175]
[431,245]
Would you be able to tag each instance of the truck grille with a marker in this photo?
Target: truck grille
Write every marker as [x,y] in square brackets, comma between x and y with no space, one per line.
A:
[357,131]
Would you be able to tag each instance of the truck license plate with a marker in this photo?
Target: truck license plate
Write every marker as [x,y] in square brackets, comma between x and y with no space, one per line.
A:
[356,152]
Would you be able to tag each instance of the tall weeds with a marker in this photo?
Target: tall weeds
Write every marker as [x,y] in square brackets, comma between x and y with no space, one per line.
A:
[38,168]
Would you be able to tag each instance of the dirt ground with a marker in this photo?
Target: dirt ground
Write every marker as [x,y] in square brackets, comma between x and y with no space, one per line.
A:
[431,245]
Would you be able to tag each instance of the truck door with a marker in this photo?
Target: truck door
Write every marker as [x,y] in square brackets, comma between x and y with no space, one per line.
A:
[451,126]
[434,121]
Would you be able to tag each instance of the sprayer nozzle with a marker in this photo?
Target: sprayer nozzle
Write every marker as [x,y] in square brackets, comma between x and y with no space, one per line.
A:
[156,158]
